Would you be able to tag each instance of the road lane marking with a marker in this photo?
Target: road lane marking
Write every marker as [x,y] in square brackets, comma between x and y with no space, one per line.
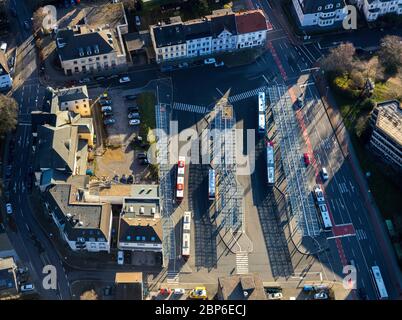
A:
[371,250]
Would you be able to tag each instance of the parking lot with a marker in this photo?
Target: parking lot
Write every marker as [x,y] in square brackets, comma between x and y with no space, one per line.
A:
[121,148]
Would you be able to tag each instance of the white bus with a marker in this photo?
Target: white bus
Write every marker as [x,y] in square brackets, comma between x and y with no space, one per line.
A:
[185,250]
[379,283]
[211,184]
[261,112]
[270,164]
[326,219]
[180,178]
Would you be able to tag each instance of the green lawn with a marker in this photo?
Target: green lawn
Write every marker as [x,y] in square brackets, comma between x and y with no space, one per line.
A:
[146,104]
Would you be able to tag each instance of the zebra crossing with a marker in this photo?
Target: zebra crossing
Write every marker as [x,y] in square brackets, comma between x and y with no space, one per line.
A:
[172,277]
[246,95]
[241,262]
[361,234]
[189,107]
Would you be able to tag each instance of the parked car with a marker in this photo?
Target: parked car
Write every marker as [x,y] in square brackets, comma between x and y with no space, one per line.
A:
[210,61]
[362,294]
[13,11]
[183,65]
[131,97]
[133,115]
[133,109]
[134,122]
[219,64]
[142,155]
[27,287]
[22,270]
[8,171]
[299,103]
[130,179]
[324,174]
[9,208]
[109,121]
[120,257]
[137,21]
[113,76]
[3,47]
[108,113]
[100,78]
[275,296]
[179,291]
[106,108]
[105,102]
[84,80]
[124,79]
[306,158]
[321,296]
[26,25]
[107,291]
[123,179]
[144,161]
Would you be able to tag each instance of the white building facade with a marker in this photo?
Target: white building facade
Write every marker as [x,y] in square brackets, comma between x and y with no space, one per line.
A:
[320,13]
[373,9]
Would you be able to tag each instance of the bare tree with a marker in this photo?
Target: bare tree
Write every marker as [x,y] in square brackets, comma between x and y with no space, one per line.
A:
[89,295]
[390,54]
[8,114]
[340,59]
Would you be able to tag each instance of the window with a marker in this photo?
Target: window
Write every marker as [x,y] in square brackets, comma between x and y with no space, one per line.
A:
[137,238]
[75,62]
[153,239]
[104,57]
[128,238]
[143,238]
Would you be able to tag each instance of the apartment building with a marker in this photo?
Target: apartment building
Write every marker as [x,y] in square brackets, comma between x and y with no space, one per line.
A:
[84,226]
[6,81]
[222,31]
[386,138]
[319,14]
[83,49]
[140,227]
[373,9]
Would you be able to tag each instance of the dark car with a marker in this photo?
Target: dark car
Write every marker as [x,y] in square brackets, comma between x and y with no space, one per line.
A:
[8,171]
[362,294]
[144,161]
[100,78]
[133,109]
[131,97]
[141,156]
[123,179]
[130,179]
[26,25]
[299,102]
[108,113]
[104,102]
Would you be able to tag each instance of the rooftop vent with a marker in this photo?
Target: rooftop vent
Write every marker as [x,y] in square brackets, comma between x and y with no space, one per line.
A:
[80,223]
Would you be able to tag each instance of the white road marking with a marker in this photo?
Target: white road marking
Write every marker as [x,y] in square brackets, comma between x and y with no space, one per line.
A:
[371,250]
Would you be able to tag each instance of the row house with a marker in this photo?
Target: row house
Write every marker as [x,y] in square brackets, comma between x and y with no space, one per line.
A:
[373,9]
[319,14]
[212,34]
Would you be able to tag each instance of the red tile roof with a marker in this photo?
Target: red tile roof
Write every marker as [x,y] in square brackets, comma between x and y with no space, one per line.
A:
[250,21]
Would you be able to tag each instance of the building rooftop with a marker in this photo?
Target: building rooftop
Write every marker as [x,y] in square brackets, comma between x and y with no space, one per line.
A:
[250,21]
[234,287]
[8,281]
[82,219]
[389,120]
[312,6]
[85,42]
[129,286]
[72,94]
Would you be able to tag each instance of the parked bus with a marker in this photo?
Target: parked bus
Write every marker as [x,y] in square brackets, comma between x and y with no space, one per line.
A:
[180,178]
[211,184]
[378,282]
[185,251]
[270,164]
[261,112]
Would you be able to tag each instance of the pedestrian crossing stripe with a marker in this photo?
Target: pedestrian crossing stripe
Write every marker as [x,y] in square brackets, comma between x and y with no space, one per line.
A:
[361,234]
[172,277]
[246,95]
[189,107]
[242,263]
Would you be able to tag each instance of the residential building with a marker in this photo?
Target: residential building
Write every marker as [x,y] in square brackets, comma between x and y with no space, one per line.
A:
[6,81]
[75,99]
[83,225]
[8,278]
[222,31]
[373,9]
[129,286]
[386,138]
[63,139]
[319,14]
[82,49]
[140,227]
[241,287]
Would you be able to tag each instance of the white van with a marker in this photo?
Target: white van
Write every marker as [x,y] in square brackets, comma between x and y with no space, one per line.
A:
[120,257]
